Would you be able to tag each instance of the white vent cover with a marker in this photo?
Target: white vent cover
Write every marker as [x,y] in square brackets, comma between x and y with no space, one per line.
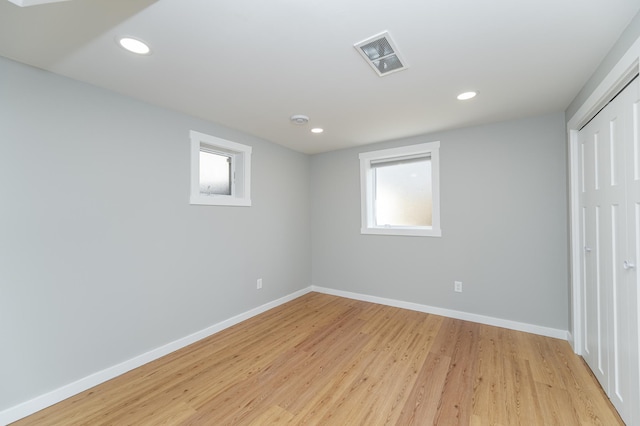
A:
[381,53]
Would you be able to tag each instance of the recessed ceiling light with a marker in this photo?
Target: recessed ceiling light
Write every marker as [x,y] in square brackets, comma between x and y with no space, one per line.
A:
[317,130]
[466,95]
[134,45]
[25,3]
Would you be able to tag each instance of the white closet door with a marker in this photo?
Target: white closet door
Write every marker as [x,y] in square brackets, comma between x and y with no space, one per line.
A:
[610,229]
[595,320]
[597,198]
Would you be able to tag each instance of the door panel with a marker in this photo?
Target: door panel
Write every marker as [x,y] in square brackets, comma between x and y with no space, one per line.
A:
[595,147]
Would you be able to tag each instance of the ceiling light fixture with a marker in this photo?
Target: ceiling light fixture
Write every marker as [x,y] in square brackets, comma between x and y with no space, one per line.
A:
[317,130]
[466,96]
[299,119]
[134,45]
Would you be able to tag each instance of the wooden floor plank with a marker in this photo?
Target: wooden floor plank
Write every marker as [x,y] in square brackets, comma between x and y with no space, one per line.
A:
[455,406]
[423,402]
[490,389]
[323,359]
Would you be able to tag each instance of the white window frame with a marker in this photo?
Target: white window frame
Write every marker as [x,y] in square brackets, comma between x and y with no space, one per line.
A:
[431,149]
[240,170]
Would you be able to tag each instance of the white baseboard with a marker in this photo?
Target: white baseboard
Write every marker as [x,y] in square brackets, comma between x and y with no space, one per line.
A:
[482,319]
[27,408]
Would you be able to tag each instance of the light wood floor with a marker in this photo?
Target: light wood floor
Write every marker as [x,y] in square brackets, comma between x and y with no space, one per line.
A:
[327,360]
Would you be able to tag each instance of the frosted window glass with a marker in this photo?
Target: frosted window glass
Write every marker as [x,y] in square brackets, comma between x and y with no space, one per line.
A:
[215,174]
[403,195]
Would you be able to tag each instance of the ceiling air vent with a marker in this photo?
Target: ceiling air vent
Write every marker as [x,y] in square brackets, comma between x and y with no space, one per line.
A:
[381,53]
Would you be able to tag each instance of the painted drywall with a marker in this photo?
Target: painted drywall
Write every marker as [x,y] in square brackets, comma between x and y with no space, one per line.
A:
[504,226]
[630,34]
[102,257]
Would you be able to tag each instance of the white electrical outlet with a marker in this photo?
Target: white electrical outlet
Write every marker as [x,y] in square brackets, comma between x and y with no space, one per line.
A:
[457,286]
[259,283]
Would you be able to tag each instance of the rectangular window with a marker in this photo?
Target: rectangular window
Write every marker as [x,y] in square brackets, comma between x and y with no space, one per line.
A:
[400,191]
[220,171]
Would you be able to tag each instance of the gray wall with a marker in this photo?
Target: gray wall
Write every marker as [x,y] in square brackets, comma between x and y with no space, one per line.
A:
[630,34]
[504,226]
[101,256]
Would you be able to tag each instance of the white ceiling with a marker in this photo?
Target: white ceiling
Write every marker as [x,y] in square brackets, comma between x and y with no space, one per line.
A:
[251,64]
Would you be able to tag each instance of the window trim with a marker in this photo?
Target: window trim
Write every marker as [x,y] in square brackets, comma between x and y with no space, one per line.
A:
[240,166]
[367,201]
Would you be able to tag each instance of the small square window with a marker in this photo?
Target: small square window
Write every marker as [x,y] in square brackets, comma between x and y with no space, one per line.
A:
[400,191]
[220,171]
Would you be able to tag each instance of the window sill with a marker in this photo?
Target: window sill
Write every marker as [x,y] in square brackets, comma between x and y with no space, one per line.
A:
[220,200]
[411,232]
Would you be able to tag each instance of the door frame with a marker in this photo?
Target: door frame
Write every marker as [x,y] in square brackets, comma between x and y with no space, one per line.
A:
[621,74]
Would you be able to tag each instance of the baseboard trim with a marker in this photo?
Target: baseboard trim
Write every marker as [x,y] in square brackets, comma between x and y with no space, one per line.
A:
[41,402]
[466,316]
